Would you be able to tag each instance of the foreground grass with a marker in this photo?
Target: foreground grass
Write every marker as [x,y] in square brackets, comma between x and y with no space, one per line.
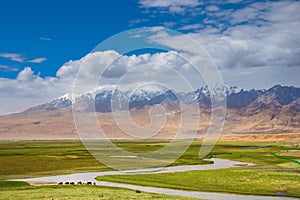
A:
[76,193]
[259,182]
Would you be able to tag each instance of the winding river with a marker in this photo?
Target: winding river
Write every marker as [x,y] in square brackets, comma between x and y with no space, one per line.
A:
[218,164]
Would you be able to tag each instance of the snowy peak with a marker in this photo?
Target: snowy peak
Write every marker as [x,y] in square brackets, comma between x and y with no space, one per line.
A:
[147,95]
[66,97]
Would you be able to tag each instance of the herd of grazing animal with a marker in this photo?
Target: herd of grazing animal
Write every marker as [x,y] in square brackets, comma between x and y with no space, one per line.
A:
[78,183]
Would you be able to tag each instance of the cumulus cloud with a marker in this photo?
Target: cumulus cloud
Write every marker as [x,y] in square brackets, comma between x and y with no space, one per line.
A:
[26,90]
[92,71]
[107,68]
[26,75]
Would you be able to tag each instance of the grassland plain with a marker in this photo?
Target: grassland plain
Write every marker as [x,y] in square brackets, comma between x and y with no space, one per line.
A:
[20,159]
[20,190]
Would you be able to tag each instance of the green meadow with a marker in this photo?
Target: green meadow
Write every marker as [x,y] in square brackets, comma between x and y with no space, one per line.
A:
[20,159]
[258,182]
[276,170]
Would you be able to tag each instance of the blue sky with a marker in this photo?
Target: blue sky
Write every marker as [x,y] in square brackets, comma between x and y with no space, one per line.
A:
[57,30]
[255,44]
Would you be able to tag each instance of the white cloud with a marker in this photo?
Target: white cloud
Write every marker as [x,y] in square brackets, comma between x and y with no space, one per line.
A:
[212,8]
[261,77]
[69,69]
[20,58]
[8,68]
[174,6]
[252,13]
[169,3]
[13,56]
[26,90]
[37,60]
[45,39]
[169,24]
[191,27]
[26,75]
[274,43]
[111,66]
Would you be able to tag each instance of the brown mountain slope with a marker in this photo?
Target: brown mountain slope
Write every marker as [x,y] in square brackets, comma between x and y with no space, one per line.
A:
[59,124]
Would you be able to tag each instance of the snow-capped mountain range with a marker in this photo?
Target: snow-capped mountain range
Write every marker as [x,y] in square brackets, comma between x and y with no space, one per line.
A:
[236,97]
